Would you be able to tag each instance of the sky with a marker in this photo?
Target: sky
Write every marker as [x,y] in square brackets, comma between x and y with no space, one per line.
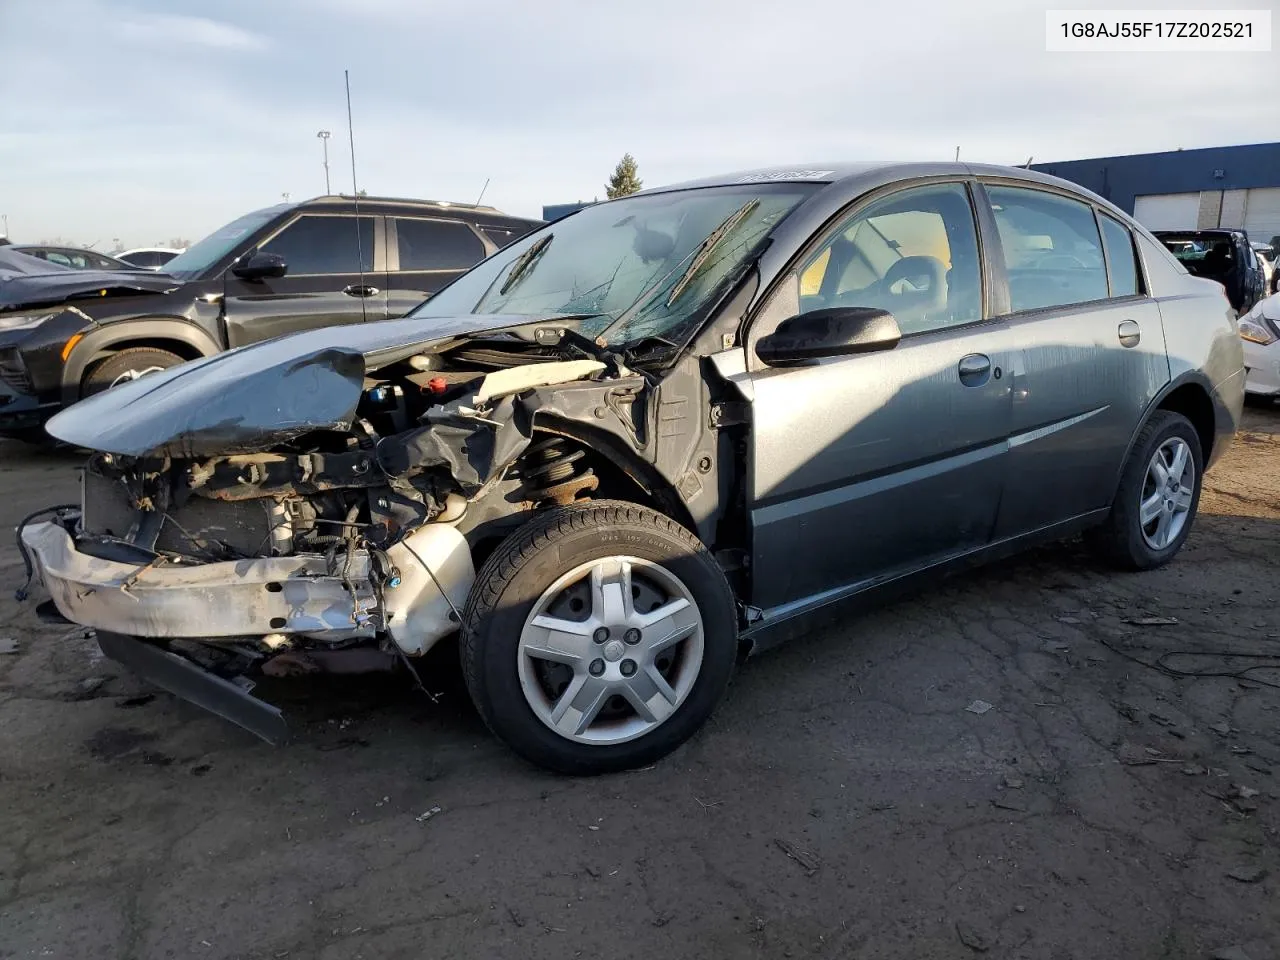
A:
[145,120]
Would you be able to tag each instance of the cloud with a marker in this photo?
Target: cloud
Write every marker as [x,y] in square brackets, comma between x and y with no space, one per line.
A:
[164,29]
[194,119]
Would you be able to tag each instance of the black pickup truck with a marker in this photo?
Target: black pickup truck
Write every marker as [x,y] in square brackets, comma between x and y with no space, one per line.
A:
[67,334]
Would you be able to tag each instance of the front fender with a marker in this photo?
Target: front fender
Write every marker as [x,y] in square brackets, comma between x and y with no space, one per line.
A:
[110,335]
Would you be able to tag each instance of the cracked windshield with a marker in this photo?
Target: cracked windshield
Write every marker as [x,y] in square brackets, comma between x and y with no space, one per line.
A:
[643,267]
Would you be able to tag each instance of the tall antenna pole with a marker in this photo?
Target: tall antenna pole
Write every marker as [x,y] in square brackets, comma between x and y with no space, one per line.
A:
[355,194]
[324,139]
[957,154]
[482,190]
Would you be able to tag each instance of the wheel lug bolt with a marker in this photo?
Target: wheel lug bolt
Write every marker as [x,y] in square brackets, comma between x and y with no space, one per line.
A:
[601,635]
[628,667]
[597,667]
[632,636]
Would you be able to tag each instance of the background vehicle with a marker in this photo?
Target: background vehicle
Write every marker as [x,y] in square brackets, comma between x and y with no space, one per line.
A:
[651,434]
[270,272]
[149,258]
[1260,331]
[1225,256]
[74,257]
[1270,272]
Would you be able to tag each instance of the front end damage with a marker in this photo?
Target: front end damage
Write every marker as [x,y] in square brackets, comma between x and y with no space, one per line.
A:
[338,526]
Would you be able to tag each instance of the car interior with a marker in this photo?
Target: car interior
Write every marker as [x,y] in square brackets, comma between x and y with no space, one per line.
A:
[915,256]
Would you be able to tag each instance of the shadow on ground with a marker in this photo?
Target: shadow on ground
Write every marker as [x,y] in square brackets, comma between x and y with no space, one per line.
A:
[855,797]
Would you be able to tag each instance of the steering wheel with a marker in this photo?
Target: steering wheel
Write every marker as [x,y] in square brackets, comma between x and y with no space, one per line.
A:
[911,269]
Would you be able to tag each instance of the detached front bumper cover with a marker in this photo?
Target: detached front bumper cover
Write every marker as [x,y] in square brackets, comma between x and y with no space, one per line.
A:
[235,598]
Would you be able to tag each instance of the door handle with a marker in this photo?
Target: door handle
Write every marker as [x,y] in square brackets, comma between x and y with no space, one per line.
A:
[358,291]
[975,369]
[1129,332]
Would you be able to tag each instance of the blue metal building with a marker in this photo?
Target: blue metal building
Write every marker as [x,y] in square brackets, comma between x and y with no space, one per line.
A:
[557,210]
[1185,189]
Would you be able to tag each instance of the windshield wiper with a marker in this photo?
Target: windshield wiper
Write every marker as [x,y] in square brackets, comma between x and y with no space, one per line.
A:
[524,262]
[696,261]
[708,246]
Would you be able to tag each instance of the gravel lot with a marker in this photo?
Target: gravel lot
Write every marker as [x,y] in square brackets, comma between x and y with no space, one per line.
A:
[843,803]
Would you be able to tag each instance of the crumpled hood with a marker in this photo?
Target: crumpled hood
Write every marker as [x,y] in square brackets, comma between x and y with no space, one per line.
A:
[255,397]
[24,285]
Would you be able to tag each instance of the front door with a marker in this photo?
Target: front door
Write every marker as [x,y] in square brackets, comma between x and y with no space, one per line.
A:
[324,285]
[866,466]
[1090,354]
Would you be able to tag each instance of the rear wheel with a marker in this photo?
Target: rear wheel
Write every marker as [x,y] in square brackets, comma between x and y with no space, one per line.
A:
[598,637]
[1158,496]
[127,365]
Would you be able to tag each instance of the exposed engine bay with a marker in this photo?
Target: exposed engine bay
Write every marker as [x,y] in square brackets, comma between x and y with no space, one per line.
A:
[385,521]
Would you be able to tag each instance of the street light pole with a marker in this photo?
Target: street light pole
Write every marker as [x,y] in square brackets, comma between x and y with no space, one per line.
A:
[324,139]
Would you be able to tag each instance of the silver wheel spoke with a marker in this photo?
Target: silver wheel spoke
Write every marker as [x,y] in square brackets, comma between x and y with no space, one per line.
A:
[1183,500]
[611,600]
[1158,471]
[1151,508]
[1179,465]
[671,630]
[650,695]
[562,641]
[1161,537]
[579,705]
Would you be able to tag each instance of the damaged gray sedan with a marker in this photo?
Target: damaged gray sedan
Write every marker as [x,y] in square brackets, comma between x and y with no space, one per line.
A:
[648,439]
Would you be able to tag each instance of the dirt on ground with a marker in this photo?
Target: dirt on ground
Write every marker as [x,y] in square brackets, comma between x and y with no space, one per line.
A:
[1040,759]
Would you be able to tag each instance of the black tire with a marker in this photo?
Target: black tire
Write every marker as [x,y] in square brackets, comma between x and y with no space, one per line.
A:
[525,565]
[1119,541]
[104,375]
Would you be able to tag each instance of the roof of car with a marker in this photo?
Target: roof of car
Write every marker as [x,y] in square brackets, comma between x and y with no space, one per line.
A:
[839,171]
[58,247]
[344,199]
[1208,232]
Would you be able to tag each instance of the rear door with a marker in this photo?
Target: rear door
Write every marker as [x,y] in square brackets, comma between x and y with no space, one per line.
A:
[1090,351]
[324,286]
[427,253]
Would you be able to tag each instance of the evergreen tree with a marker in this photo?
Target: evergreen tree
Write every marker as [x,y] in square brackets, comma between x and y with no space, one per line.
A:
[625,179]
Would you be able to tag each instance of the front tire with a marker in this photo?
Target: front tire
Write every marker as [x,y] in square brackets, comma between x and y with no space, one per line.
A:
[131,364]
[598,637]
[1158,496]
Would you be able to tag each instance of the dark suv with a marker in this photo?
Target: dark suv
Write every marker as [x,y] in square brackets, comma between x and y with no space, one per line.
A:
[1221,255]
[286,268]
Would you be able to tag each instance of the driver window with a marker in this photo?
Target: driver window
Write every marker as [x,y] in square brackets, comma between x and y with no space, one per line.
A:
[914,253]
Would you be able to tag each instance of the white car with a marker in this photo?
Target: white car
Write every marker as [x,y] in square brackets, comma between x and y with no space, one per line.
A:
[1260,331]
[148,258]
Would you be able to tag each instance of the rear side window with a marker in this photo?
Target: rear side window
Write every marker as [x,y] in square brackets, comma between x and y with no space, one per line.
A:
[324,244]
[1121,263]
[1052,250]
[437,244]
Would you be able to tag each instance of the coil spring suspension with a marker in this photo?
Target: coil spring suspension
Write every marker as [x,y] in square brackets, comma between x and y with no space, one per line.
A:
[551,473]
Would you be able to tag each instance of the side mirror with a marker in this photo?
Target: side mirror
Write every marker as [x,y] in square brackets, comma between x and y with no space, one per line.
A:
[260,266]
[833,332]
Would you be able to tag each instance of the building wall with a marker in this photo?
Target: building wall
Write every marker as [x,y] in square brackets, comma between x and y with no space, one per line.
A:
[1121,179]
[557,210]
